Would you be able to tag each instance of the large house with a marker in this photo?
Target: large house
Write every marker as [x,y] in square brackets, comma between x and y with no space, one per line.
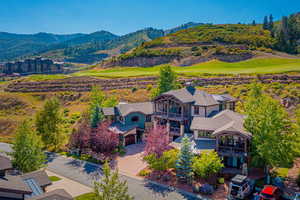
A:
[209,119]
[177,108]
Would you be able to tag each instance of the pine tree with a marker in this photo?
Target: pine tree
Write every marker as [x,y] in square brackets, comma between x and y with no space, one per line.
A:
[49,125]
[110,187]
[266,23]
[27,153]
[184,162]
[96,117]
[253,23]
[271,23]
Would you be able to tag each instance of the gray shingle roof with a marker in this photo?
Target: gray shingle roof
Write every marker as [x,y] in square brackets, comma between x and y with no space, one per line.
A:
[40,177]
[5,163]
[120,128]
[14,184]
[58,194]
[225,121]
[192,95]
[145,107]
[223,97]
[108,111]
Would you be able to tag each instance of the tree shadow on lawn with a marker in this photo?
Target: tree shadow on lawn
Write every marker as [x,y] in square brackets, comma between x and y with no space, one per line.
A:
[165,190]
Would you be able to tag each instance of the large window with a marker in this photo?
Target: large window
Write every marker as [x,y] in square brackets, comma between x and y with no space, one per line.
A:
[135,119]
[196,110]
[205,134]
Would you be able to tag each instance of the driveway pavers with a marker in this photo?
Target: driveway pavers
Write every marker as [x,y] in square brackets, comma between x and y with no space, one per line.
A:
[132,162]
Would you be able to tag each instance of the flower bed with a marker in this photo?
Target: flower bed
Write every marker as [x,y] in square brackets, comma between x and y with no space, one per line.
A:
[169,178]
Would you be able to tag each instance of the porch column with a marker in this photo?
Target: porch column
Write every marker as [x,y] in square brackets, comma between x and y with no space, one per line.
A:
[217,143]
[154,123]
[182,111]
[245,146]
[135,139]
[168,107]
[181,128]
[168,126]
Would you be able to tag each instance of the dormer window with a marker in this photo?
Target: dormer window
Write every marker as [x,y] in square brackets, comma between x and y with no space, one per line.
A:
[135,119]
[196,110]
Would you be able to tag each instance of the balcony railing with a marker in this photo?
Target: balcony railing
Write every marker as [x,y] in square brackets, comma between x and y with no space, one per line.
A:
[171,115]
[231,150]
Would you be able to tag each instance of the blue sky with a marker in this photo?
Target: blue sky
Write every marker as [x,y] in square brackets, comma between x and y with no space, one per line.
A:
[124,16]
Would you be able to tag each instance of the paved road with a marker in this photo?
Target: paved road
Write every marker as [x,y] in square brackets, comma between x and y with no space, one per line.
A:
[85,173]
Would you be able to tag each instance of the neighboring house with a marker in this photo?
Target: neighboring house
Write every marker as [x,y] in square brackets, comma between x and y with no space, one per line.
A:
[177,108]
[130,120]
[58,194]
[226,131]
[27,186]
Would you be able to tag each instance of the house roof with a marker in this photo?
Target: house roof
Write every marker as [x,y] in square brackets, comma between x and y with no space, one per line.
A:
[40,177]
[225,121]
[108,111]
[58,194]
[14,184]
[198,97]
[5,163]
[121,128]
[145,107]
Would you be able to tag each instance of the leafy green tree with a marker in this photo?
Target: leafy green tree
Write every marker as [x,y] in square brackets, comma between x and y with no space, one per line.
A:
[272,134]
[184,162]
[49,125]
[166,81]
[207,165]
[27,153]
[110,102]
[110,187]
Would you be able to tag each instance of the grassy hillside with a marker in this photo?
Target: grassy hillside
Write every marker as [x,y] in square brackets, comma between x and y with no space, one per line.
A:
[255,65]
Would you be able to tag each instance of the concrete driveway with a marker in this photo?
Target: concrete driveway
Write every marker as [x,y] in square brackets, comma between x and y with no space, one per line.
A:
[72,187]
[132,162]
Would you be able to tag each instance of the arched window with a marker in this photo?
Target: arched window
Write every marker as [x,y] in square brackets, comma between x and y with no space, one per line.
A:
[135,119]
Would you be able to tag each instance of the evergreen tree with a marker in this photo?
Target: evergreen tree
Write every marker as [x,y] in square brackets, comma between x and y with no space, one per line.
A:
[266,23]
[97,100]
[167,80]
[96,117]
[253,23]
[27,153]
[49,125]
[110,187]
[184,162]
[271,129]
[271,23]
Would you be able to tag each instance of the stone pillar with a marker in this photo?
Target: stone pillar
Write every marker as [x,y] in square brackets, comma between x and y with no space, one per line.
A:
[181,128]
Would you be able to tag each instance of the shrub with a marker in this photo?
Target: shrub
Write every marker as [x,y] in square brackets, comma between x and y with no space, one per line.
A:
[221,180]
[144,172]
[281,172]
[164,162]
[134,89]
[207,164]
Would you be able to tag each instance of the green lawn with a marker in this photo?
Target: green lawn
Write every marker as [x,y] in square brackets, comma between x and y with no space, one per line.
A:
[54,178]
[252,66]
[87,196]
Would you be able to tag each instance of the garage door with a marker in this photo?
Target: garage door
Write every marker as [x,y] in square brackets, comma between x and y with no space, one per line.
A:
[130,139]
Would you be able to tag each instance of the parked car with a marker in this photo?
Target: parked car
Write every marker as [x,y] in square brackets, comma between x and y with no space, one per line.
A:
[270,192]
[240,187]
